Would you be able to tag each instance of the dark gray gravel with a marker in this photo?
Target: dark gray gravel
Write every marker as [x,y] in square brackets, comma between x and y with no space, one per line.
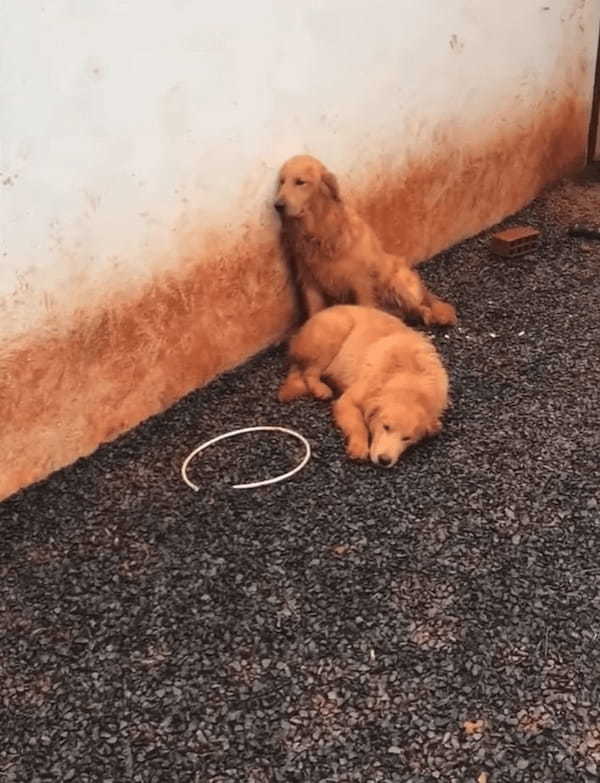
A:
[344,626]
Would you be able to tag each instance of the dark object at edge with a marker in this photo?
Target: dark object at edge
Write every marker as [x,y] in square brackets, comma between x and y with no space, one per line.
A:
[589,232]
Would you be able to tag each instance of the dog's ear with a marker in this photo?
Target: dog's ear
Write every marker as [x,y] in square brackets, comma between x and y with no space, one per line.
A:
[330,185]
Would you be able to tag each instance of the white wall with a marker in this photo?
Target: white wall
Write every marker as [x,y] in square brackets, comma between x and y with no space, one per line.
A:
[122,119]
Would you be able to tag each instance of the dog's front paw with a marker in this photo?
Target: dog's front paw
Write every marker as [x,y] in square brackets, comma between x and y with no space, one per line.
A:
[357,449]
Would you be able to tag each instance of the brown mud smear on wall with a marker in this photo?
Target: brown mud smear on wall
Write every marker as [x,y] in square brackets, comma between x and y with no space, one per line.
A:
[60,397]
[455,191]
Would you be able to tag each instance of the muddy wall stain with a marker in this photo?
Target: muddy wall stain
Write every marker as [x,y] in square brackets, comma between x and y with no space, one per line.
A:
[455,189]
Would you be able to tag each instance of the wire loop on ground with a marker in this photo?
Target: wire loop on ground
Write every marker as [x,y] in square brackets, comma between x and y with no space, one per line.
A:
[252,484]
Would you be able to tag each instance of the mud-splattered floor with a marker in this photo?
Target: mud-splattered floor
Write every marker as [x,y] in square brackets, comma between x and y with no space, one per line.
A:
[437,622]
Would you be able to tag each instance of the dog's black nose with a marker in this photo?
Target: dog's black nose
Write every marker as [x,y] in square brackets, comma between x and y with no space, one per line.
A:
[279,206]
[384,461]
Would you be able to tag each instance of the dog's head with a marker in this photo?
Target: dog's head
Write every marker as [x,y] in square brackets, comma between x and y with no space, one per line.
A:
[303,181]
[395,424]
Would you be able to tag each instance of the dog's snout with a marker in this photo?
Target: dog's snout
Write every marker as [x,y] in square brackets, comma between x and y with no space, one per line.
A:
[279,205]
[384,461]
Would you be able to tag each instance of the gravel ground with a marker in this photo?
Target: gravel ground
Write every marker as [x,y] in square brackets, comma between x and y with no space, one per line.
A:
[440,621]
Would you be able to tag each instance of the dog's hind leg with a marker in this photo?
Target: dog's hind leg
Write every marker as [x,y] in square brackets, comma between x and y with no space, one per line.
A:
[415,300]
[317,344]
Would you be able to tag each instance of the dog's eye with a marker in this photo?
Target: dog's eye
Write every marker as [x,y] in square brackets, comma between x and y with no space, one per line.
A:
[300,181]
[387,427]
[406,437]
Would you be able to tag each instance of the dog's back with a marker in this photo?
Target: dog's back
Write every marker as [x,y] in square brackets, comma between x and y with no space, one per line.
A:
[416,359]
[350,342]
[386,348]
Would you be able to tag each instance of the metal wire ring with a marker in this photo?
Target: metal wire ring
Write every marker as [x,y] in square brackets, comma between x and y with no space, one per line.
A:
[252,484]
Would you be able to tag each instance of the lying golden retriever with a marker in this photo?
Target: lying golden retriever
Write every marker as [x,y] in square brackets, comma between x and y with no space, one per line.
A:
[337,255]
[393,385]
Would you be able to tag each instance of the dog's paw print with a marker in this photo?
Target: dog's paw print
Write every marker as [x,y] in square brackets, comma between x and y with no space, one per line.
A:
[456,44]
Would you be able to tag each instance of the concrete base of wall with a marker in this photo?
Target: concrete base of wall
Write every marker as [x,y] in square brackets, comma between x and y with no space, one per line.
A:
[63,393]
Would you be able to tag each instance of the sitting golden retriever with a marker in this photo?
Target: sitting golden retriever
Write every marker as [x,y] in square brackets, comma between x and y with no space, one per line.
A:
[336,254]
[393,385]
